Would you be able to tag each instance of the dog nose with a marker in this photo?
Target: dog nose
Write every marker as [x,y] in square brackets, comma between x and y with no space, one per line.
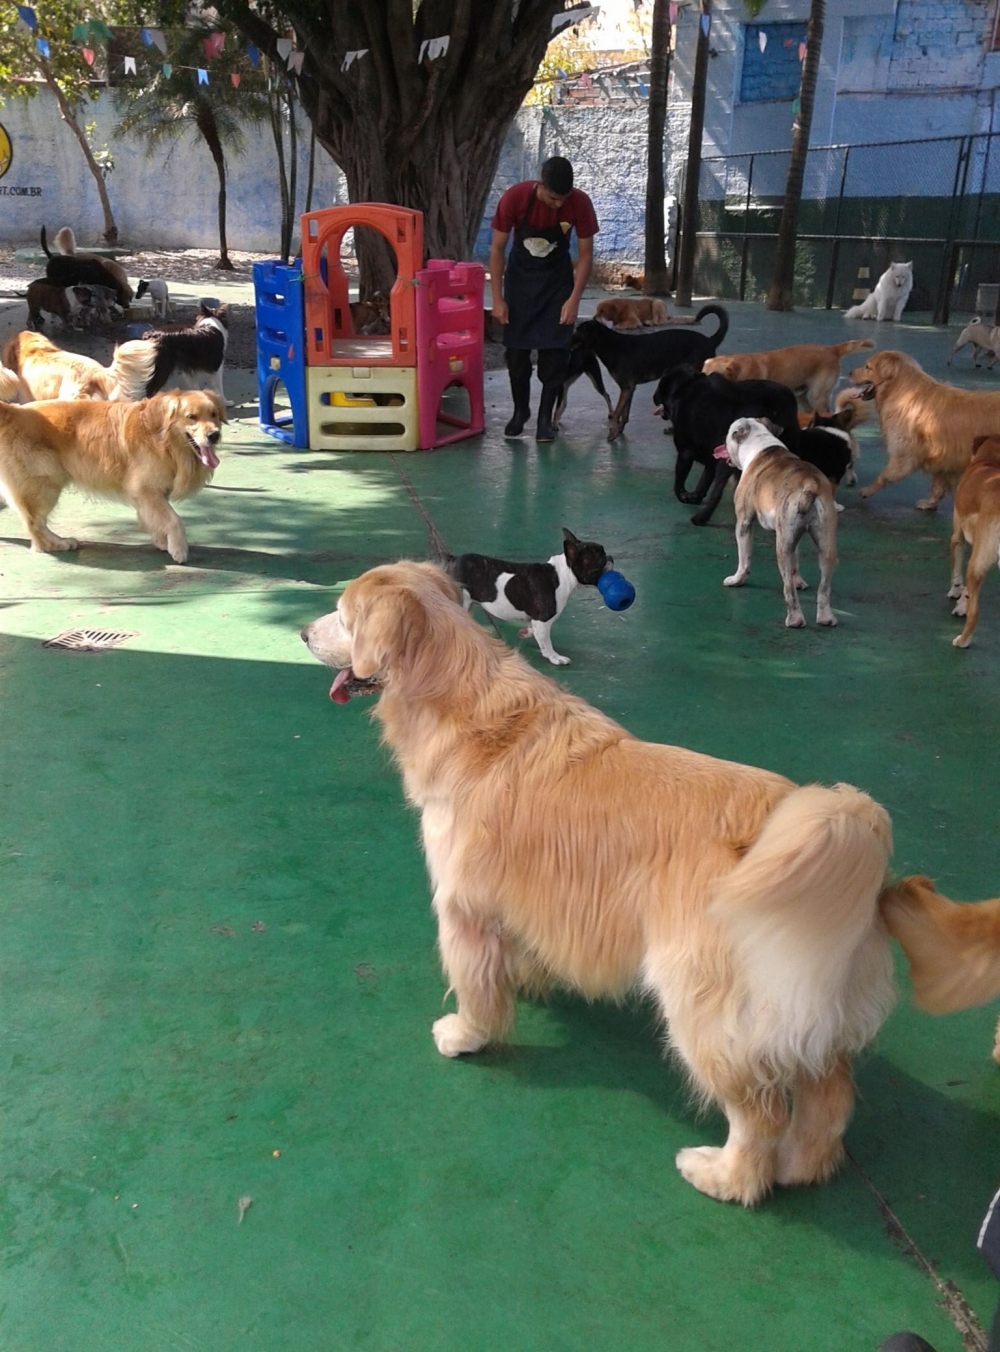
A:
[214,437]
[304,633]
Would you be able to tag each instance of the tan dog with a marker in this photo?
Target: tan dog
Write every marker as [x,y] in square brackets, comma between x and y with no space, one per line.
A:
[9,385]
[953,947]
[45,371]
[631,313]
[65,242]
[975,521]
[926,425]
[810,369]
[561,849]
[790,497]
[984,338]
[148,453]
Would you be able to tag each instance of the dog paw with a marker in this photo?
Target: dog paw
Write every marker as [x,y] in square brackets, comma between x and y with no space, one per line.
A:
[796,620]
[960,641]
[866,492]
[179,553]
[734,580]
[961,606]
[707,1168]
[800,583]
[954,592]
[525,632]
[689,498]
[454,1037]
[826,618]
[838,506]
[558,661]
[926,505]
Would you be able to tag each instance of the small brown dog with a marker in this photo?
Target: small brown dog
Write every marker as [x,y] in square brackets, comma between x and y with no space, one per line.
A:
[810,369]
[629,313]
[790,497]
[148,453]
[975,521]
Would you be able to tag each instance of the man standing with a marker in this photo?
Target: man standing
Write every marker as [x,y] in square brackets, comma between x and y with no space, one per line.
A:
[537,297]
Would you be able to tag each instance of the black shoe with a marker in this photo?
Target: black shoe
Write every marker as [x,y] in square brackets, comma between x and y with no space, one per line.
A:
[545,431]
[516,425]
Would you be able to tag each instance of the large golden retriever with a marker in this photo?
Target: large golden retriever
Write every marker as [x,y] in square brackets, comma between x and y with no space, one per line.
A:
[149,453]
[810,369]
[45,371]
[976,522]
[926,425]
[561,849]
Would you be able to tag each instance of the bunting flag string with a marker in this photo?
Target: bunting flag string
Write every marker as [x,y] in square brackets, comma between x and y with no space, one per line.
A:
[27,16]
[432,48]
[762,41]
[130,65]
[42,47]
[351,57]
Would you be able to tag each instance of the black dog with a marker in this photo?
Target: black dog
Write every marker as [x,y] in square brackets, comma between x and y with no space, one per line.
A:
[582,362]
[702,409]
[191,355]
[828,444]
[78,270]
[637,358]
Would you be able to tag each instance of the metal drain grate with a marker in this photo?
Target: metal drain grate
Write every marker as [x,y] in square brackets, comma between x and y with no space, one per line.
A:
[89,640]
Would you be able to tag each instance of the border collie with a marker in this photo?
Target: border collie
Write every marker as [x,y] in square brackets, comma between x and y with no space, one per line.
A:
[191,356]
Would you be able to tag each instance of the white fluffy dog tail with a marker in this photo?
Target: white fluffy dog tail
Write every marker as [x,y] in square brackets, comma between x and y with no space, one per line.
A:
[8,386]
[862,311]
[810,953]
[132,369]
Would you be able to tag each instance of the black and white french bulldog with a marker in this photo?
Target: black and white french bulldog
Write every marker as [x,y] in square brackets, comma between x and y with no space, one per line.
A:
[532,594]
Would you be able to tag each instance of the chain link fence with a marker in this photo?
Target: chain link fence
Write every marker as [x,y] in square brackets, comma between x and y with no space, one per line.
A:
[935,203]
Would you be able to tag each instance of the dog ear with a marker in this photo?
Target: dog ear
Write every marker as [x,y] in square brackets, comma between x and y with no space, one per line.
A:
[978,441]
[568,537]
[389,628]
[445,584]
[772,427]
[219,404]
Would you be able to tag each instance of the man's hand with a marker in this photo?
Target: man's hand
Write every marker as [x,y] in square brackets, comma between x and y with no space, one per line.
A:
[500,313]
[567,315]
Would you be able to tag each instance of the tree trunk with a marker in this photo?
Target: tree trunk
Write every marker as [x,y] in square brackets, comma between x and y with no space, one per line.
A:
[277,132]
[312,170]
[424,134]
[293,169]
[780,294]
[656,282]
[692,173]
[110,235]
[205,122]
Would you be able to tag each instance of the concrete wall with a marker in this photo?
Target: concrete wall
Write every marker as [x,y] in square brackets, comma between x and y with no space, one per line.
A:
[167,200]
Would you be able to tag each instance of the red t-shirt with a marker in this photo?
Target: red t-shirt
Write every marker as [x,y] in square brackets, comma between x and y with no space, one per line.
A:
[577,211]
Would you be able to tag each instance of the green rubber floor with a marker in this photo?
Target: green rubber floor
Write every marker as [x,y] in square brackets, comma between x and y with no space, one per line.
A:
[218,966]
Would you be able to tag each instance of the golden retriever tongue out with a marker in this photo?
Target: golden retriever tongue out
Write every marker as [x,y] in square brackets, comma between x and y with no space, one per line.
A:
[207,455]
[338,693]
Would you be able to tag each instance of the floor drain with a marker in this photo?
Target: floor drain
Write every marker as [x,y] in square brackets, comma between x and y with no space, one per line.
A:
[89,640]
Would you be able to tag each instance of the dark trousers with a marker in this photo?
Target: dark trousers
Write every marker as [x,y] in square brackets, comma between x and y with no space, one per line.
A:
[553,367]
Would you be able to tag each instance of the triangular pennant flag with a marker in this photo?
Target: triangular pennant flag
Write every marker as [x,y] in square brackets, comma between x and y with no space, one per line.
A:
[706,23]
[253,55]
[433,48]
[130,65]
[214,44]
[27,16]
[567,17]
[88,56]
[80,32]
[42,46]
[283,46]
[202,76]
[789,42]
[796,106]
[235,77]
[159,41]
[147,37]
[167,69]
[351,57]
[585,80]
[672,11]
[295,62]
[762,40]
[802,51]
[99,28]
[643,88]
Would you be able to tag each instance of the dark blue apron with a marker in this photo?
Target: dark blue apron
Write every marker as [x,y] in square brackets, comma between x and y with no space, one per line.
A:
[536,289]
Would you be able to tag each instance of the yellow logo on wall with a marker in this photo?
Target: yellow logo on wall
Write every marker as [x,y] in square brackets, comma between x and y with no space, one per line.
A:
[6,151]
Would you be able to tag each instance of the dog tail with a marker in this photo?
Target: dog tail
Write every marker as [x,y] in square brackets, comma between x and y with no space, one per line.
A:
[858,311]
[65,240]
[852,344]
[131,369]
[953,947]
[45,246]
[8,385]
[721,316]
[806,498]
[801,909]
[10,356]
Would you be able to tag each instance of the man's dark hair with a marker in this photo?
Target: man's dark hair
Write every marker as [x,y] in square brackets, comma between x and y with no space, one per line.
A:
[557,175]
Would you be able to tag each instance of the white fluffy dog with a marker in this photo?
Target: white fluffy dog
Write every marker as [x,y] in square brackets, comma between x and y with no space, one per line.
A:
[888,300]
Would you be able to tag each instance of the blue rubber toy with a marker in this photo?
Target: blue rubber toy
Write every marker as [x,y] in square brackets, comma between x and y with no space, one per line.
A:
[616,591]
